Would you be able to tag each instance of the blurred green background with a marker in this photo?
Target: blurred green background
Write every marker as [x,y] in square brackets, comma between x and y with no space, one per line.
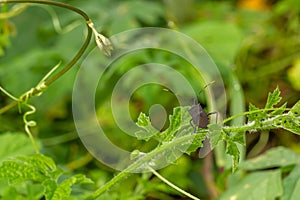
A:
[254,43]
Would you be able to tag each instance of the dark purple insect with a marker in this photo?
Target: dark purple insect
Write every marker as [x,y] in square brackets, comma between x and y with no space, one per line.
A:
[199,116]
[200,119]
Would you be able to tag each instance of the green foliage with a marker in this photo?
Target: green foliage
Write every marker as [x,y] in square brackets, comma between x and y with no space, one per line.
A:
[148,130]
[255,49]
[10,144]
[265,185]
[268,183]
[38,168]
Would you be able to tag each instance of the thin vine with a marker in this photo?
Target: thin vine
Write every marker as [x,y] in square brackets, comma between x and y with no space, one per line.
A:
[103,43]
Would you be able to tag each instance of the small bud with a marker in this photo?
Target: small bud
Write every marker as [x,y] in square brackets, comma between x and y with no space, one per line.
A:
[103,43]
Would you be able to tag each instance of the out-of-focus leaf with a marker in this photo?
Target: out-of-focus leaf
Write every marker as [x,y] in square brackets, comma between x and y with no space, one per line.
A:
[221,39]
[14,144]
[258,185]
[291,185]
[294,74]
[275,157]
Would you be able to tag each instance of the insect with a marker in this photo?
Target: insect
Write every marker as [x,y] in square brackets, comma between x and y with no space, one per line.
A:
[199,116]
[200,119]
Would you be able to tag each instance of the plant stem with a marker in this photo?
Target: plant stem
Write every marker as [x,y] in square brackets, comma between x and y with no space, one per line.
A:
[144,160]
[48,2]
[172,185]
[251,112]
[265,125]
[75,58]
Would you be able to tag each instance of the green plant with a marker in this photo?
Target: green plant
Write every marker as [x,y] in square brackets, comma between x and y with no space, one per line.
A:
[36,176]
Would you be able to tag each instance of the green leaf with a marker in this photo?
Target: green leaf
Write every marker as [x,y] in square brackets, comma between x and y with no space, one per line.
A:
[295,110]
[221,39]
[291,123]
[14,144]
[63,190]
[232,149]
[148,130]
[291,185]
[177,120]
[196,143]
[36,167]
[273,99]
[214,134]
[280,110]
[16,172]
[275,157]
[255,116]
[258,185]
[239,138]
